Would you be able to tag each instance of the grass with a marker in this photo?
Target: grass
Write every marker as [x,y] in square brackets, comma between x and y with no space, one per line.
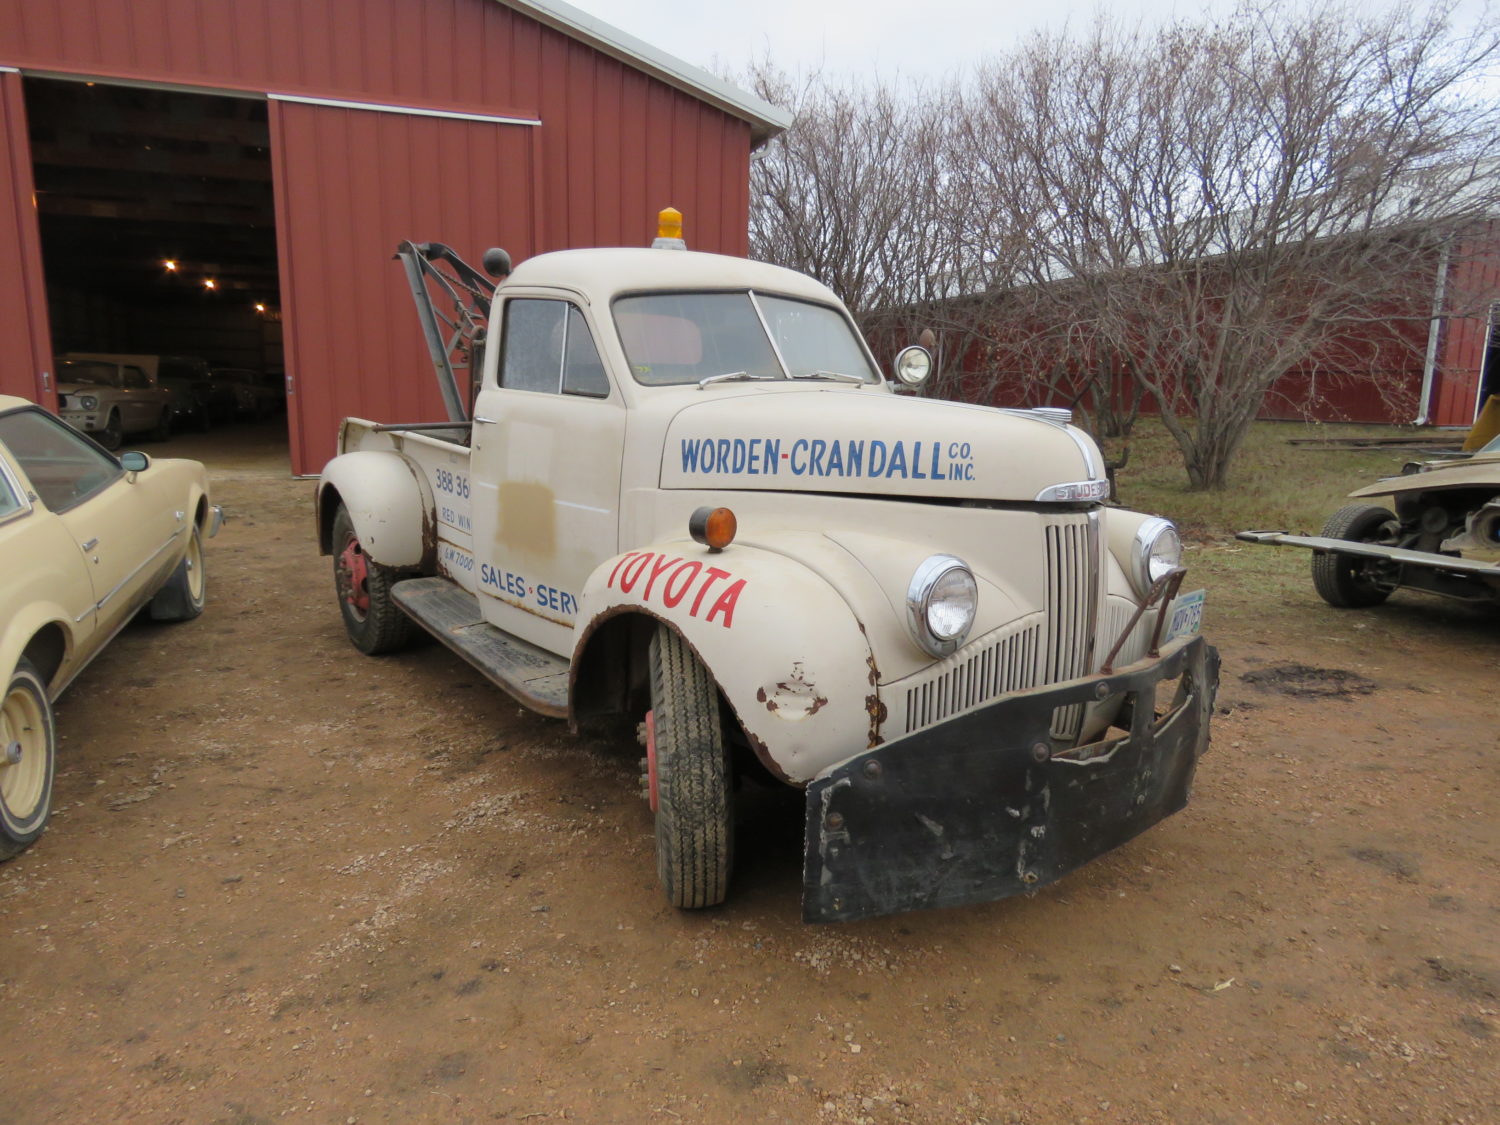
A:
[1273,485]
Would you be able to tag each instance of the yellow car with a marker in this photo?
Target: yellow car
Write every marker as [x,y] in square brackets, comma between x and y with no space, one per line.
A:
[87,540]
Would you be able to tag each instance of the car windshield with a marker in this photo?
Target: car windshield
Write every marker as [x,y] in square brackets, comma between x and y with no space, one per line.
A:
[96,374]
[676,338]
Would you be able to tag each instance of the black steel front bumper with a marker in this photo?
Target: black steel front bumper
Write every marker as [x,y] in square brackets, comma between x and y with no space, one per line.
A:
[984,806]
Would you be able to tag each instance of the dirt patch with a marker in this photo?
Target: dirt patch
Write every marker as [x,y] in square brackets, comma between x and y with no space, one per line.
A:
[287,882]
[1307,682]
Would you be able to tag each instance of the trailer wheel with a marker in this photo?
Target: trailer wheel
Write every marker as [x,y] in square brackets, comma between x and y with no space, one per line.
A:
[28,752]
[1346,581]
[694,813]
[372,619]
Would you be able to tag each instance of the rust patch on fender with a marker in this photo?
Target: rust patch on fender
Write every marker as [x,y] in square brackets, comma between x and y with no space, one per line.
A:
[793,698]
[877,711]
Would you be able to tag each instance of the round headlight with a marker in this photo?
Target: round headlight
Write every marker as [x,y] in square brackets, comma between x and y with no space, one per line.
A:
[941,602]
[88,402]
[913,365]
[1156,550]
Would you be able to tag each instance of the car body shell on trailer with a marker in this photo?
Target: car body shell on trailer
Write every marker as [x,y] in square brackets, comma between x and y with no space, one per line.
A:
[549,537]
[1438,531]
[87,540]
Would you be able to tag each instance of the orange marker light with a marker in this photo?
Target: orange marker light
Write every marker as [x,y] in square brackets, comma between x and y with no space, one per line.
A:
[713,527]
[669,223]
[169,265]
[210,283]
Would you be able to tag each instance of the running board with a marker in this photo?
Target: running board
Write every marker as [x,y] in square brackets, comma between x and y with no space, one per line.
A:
[534,676]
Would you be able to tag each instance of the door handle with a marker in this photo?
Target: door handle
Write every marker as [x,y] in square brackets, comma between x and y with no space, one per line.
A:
[91,544]
[484,421]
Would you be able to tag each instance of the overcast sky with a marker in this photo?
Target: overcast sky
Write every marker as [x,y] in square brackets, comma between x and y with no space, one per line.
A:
[926,39]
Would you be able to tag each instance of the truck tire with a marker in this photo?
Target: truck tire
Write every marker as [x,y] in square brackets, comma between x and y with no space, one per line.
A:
[162,431]
[113,433]
[694,811]
[1345,581]
[182,598]
[28,753]
[372,619]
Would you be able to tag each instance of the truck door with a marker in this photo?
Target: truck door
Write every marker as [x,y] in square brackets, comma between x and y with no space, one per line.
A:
[549,433]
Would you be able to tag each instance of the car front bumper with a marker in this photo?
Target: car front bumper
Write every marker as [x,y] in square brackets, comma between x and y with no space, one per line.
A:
[984,806]
[85,420]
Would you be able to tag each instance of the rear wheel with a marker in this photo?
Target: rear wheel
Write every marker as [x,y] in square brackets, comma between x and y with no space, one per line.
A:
[28,750]
[1348,581]
[372,619]
[162,431]
[694,811]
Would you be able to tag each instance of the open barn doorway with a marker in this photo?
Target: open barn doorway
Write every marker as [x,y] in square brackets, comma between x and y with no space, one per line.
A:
[158,239]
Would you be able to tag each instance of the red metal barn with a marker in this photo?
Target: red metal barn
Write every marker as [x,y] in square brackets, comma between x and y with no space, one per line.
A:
[1399,366]
[176,173]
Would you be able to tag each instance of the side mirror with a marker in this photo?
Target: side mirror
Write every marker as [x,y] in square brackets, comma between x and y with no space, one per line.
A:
[496,263]
[134,462]
[913,365]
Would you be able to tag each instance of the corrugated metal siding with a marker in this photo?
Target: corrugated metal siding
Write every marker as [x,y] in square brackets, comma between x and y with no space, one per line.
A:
[350,185]
[27,351]
[1475,283]
[615,146]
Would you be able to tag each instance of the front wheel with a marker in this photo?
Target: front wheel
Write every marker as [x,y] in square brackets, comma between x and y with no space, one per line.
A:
[182,598]
[692,797]
[28,752]
[162,431]
[113,433]
[1348,581]
[372,618]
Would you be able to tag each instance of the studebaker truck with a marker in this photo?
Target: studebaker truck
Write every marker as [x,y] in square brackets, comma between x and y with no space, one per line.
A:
[681,491]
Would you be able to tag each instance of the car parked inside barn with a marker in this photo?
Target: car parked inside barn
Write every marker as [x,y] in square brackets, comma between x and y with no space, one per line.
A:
[87,541]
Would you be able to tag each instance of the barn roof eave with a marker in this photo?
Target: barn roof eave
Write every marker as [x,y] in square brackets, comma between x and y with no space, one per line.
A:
[766,120]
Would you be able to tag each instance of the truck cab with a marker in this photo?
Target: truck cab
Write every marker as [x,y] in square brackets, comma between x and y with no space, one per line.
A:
[682,492]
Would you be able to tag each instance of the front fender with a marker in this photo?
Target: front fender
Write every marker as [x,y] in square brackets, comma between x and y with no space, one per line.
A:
[388,502]
[784,647]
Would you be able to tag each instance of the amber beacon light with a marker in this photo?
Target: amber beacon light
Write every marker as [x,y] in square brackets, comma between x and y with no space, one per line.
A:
[713,527]
[669,230]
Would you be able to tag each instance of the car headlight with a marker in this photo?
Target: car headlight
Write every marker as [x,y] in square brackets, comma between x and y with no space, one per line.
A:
[87,402]
[1156,550]
[940,603]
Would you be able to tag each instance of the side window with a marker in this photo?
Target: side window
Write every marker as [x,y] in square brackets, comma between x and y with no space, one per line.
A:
[548,348]
[583,370]
[63,466]
[135,377]
[10,502]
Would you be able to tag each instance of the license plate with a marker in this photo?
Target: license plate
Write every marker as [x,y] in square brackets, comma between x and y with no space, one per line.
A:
[1187,616]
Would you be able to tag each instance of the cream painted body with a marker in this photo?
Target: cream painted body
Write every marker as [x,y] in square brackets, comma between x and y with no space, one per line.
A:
[83,570]
[568,511]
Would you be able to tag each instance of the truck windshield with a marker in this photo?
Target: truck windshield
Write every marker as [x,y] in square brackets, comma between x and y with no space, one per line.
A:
[676,338]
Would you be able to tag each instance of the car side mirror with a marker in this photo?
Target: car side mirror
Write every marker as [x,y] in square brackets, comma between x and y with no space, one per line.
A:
[134,462]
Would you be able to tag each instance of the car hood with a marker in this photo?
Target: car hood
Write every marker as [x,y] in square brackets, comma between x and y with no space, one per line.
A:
[1477,472]
[852,441]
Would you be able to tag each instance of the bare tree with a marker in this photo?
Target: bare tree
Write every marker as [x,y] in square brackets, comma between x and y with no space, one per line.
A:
[1226,203]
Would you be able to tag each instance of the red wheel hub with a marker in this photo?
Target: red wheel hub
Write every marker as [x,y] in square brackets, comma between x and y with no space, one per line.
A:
[354,570]
[651,757]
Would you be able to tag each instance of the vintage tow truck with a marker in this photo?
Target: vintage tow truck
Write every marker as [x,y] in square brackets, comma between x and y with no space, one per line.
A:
[680,491]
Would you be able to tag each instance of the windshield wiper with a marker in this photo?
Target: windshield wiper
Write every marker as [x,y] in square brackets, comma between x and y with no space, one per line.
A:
[733,377]
[835,376]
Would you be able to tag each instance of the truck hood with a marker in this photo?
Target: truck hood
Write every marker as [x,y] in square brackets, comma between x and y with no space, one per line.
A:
[852,441]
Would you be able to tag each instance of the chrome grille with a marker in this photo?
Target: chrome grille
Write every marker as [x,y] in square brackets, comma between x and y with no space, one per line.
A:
[1007,664]
[1117,613]
[1072,589]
